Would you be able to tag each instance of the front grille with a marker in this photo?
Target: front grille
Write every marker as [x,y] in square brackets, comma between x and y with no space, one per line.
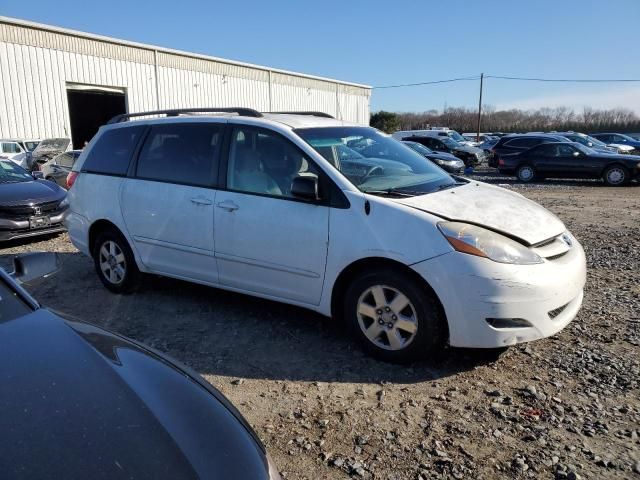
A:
[23,212]
[556,311]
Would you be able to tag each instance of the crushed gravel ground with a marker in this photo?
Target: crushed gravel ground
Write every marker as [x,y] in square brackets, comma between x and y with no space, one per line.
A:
[566,407]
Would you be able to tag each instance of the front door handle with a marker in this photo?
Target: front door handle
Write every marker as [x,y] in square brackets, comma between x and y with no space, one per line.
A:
[201,201]
[228,205]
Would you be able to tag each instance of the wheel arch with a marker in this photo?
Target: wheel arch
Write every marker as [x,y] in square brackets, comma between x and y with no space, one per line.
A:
[613,164]
[97,228]
[363,265]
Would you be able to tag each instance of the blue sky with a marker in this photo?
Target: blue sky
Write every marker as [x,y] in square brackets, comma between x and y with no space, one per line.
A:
[383,42]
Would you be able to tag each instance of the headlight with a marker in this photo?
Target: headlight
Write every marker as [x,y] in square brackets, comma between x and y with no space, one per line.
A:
[481,242]
[64,203]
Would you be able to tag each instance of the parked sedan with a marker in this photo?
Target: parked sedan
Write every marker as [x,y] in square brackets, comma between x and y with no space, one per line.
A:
[572,160]
[78,401]
[57,169]
[446,161]
[629,144]
[29,206]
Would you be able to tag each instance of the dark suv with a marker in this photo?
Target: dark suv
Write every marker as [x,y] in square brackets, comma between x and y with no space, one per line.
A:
[518,143]
[471,156]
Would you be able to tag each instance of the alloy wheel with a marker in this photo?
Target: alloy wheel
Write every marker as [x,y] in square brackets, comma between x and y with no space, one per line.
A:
[387,317]
[526,174]
[615,176]
[112,262]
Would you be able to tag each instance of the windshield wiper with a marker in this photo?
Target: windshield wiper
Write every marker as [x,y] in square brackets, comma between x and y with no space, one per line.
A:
[394,191]
[446,186]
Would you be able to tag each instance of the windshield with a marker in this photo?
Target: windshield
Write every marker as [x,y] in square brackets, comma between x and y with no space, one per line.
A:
[383,165]
[449,142]
[456,136]
[418,147]
[12,173]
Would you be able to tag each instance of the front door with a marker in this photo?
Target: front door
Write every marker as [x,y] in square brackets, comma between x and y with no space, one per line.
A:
[266,240]
[168,206]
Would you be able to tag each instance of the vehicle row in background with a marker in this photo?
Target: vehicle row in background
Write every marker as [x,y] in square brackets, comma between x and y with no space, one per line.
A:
[444,141]
[30,154]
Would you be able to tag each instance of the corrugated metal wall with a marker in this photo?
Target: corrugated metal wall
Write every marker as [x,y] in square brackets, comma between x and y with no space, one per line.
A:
[37,64]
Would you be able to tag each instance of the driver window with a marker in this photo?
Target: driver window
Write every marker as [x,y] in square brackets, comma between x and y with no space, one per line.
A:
[265,163]
[565,150]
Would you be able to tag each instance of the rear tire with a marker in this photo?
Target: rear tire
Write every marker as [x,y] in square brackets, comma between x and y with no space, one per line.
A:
[615,176]
[526,173]
[394,317]
[114,262]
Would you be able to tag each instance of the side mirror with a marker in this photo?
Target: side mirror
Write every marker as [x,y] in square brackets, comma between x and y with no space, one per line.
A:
[305,188]
[37,174]
[29,266]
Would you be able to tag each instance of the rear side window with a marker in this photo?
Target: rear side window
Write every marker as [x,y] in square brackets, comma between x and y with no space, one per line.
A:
[185,153]
[112,152]
[10,148]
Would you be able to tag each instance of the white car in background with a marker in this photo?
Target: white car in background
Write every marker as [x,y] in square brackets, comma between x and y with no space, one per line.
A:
[264,204]
[17,150]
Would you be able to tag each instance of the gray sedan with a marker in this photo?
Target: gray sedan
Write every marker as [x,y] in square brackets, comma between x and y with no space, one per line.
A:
[59,167]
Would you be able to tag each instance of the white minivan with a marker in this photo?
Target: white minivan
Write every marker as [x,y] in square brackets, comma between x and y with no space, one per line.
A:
[324,214]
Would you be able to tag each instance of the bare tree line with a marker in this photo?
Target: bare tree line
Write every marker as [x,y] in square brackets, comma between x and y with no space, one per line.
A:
[544,119]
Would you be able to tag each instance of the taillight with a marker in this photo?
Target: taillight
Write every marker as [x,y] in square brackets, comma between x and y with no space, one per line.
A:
[71,179]
[501,162]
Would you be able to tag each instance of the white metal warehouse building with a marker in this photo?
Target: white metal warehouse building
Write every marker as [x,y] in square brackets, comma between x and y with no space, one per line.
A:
[56,82]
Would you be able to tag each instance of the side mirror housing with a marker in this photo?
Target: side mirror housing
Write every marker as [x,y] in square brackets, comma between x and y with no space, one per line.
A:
[30,266]
[305,188]
[37,174]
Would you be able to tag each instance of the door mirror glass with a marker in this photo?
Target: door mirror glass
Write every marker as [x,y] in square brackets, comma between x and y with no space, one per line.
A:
[305,187]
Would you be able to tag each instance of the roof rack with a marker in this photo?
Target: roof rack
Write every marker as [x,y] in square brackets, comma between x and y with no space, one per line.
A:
[244,112]
[312,114]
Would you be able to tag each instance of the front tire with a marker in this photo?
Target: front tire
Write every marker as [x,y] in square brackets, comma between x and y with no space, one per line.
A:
[615,176]
[395,317]
[526,173]
[114,262]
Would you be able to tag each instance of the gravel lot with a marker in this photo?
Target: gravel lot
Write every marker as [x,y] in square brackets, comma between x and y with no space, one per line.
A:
[565,407]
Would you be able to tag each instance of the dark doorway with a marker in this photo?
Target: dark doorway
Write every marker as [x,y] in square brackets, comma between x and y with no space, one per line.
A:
[89,110]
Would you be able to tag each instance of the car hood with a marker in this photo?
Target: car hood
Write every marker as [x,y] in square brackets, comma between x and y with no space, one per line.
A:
[51,146]
[90,404]
[621,146]
[443,156]
[30,192]
[468,149]
[496,208]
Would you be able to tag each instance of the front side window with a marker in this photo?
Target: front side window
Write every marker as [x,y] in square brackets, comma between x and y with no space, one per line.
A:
[384,165]
[264,162]
[184,153]
[565,150]
[12,173]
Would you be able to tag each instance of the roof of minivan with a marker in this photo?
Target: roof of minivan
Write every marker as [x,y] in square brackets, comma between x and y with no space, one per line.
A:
[291,120]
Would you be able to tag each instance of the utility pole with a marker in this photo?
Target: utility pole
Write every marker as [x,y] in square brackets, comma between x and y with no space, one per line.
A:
[480,107]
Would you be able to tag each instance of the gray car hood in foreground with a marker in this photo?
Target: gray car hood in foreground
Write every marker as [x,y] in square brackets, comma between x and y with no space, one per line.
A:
[496,208]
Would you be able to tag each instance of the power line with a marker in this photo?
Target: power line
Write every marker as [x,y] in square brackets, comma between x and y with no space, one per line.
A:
[567,80]
[476,77]
[522,79]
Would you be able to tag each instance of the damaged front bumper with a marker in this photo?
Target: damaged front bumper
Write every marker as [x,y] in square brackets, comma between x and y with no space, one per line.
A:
[490,304]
